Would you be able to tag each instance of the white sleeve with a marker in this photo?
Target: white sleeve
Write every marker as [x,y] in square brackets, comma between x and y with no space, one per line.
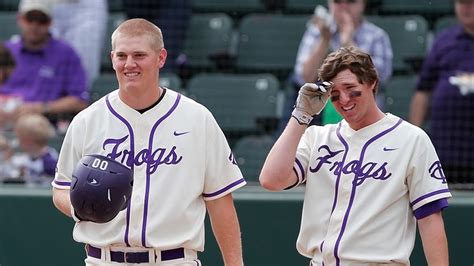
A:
[303,155]
[426,181]
[70,154]
[222,174]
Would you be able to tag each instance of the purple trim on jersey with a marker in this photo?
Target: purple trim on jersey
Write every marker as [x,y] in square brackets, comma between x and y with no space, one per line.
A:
[222,190]
[428,195]
[300,166]
[62,183]
[336,188]
[131,156]
[346,146]
[148,172]
[297,180]
[430,208]
[297,175]
[354,186]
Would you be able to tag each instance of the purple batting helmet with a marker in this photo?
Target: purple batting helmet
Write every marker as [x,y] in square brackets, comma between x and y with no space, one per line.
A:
[100,189]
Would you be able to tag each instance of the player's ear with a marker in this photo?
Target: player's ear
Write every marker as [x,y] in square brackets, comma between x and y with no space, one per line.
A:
[162,57]
[112,59]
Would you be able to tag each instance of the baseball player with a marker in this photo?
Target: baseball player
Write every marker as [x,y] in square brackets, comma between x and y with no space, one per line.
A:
[181,161]
[369,179]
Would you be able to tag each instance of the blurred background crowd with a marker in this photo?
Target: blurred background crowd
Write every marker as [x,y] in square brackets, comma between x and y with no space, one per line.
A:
[244,60]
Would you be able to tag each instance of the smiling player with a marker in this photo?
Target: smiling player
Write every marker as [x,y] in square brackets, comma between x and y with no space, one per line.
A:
[180,159]
[369,179]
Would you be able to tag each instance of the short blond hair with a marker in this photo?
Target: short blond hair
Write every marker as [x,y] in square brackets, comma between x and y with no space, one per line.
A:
[140,27]
[36,127]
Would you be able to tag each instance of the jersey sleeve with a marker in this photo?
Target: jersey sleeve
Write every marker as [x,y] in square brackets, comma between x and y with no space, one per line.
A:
[426,181]
[69,155]
[303,154]
[222,174]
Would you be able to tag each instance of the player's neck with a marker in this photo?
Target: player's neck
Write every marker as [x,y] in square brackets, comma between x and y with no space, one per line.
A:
[140,100]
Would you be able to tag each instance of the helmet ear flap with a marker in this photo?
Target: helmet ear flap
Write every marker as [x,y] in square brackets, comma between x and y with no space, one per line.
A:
[100,189]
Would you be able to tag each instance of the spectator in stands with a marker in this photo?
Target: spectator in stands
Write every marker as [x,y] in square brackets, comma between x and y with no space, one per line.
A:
[172,16]
[48,77]
[82,23]
[445,90]
[36,160]
[346,26]
[7,63]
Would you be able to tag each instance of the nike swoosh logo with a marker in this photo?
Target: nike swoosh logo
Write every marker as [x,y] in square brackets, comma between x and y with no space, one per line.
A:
[389,149]
[180,133]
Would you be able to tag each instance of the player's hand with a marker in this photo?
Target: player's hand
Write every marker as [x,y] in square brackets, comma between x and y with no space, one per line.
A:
[312,97]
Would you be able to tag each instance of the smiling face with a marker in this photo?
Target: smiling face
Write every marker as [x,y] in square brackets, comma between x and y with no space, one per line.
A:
[355,85]
[354,100]
[136,63]
[137,55]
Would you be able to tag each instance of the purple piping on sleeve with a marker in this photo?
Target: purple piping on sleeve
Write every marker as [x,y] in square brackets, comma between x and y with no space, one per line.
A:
[430,208]
[300,167]
[429,195]
[61,183]
[130,159]
[297,180]
[222,190]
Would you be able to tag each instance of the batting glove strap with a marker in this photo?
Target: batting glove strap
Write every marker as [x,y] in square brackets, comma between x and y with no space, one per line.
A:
[302,117]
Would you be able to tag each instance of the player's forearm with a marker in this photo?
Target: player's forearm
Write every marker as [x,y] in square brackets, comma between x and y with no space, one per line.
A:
[435,243]
[226,229]
[277,171]
[62,201]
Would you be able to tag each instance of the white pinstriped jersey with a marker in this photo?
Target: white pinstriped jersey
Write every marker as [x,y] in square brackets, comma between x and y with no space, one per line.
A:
[179,156]
[362,188]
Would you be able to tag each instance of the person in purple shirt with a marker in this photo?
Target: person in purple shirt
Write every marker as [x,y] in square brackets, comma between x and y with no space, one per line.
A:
[445,90]
[48,77]
[7,63]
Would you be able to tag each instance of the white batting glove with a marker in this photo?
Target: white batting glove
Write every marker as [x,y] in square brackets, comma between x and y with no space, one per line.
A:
[312,98]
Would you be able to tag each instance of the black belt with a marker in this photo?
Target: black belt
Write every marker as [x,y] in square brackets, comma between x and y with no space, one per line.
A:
[136,257]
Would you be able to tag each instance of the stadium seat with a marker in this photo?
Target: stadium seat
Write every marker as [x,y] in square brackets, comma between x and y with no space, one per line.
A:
[56,142]
[9,27]
[443,23]
[398,95]
[408,35]
[170,80]
[250,153]
[104,84]
[427,8]
[241,103]
[115,6]
[269,42]
[303,6]
[114,20]
[9,5]
[231,7]
[208,34]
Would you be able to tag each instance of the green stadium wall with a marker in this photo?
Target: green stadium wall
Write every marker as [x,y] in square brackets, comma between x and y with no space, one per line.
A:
[33,232]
